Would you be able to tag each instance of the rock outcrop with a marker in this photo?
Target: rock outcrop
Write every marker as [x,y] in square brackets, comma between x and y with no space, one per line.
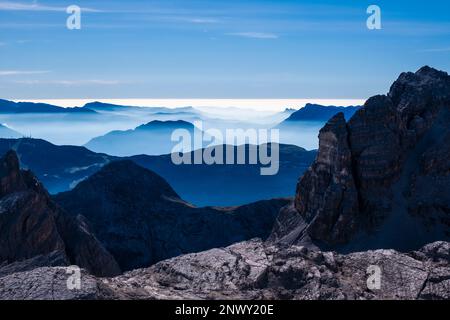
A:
[32,225]
[380,180]
[141,220]
[253,270]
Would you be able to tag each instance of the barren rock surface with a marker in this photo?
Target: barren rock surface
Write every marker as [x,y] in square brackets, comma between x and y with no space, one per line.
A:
[253,270]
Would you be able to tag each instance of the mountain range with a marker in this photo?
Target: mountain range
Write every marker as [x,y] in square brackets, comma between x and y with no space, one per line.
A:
[141,220]
[7,106]
[376,195]
[108,107]
[316,112]
[61,168]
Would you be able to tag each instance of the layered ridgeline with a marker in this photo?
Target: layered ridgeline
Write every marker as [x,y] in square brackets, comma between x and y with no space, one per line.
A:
[11,107]
[61,168]
[382,179]
[141,220]
[123,213]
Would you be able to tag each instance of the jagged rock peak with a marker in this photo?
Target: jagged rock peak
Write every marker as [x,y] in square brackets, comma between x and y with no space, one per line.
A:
[321,191]
[368,181]
[32,224]
[417,92]
[12,179]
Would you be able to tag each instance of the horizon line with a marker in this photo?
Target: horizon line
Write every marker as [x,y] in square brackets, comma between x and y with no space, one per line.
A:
[256,103]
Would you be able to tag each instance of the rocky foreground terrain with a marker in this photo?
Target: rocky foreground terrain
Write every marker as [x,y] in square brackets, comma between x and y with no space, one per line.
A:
[252,270]
[375,203]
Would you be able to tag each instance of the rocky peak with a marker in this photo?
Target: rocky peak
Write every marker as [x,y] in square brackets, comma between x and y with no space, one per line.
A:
[31,224]
[324,187]
[333,141]
[377,177]
[420,93]
[11,179]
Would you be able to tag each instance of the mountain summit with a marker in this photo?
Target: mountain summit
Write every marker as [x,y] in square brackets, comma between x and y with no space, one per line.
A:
[381,180]
[152,138]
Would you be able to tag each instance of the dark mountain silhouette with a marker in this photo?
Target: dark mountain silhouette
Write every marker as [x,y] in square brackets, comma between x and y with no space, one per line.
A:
[31,225]
[108,107]
[60,168]
[29,107]
[380,180]
[316,112]
[152,138]
[302,126]
[140,219]
[231,184]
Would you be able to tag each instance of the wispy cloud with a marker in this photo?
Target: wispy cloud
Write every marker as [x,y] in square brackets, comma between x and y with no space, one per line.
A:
[69,82]
[21,72]
[202,20]
[254,35]
[35,6]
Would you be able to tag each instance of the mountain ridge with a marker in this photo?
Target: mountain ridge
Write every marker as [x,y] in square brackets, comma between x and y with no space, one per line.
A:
[141,220]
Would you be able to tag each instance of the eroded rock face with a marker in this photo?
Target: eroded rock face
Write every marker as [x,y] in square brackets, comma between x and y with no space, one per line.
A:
[382,179]
[326,196]
[47,283]
[253,270]
[31,224]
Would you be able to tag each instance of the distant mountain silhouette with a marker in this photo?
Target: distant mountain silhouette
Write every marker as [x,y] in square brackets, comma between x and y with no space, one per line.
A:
[6,132]
[231,184]
[60,168]
[152,138]
[301,128]
[108,107]
[141,220]
[7,106]
[316,112]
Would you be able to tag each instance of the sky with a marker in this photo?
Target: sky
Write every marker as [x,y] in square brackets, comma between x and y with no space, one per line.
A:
[233,49]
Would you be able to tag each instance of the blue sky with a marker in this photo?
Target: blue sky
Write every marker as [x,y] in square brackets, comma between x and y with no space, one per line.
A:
[216,49]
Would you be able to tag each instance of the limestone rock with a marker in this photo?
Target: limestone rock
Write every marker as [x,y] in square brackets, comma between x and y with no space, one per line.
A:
[31,224]
[381,180]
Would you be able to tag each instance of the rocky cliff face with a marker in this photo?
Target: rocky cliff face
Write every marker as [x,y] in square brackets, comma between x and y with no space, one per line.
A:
[31,225]
[381,180]
[141,220]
